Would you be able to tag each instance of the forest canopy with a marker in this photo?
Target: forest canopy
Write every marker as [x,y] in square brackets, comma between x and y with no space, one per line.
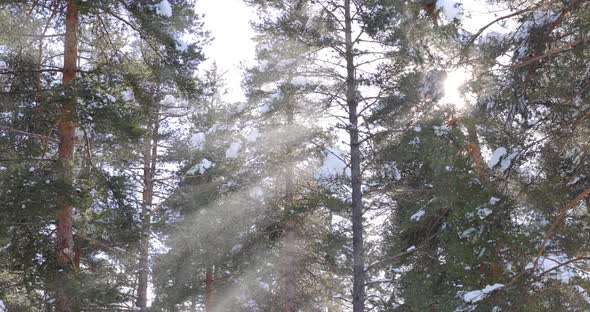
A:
[377,155]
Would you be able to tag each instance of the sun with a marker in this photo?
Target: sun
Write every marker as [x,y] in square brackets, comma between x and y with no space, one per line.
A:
[452,85]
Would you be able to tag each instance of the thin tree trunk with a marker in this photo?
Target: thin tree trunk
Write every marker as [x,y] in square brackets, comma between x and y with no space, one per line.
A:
[67,128]
[358,287]
[149,168]
[209,280]
[194,304]
[476,153]
[290,278]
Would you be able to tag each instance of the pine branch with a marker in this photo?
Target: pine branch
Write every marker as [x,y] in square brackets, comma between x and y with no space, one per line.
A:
[29,134]
[553,52]
[557,221]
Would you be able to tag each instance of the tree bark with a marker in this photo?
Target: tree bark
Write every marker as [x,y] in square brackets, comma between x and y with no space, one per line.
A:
[150,156]
[358,287]
[65,252]
[290,278]
[209,280]
[290,275]
[475,152]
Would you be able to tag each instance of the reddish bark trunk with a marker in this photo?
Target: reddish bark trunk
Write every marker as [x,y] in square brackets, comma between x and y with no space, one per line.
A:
[67,128]
[149,168]
[209,290]
[474,150]
[290,266]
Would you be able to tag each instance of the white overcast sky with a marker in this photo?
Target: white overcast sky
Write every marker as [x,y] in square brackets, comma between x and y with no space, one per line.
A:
[229,24]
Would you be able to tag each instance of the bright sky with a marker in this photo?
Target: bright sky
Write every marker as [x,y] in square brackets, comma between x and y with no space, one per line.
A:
[229,24]
[232,46]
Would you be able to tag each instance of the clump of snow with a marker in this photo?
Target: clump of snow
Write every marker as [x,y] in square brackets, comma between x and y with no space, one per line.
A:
[582,292]
[507,161]
[575,180]
[233,150]
[551,263]
[333,165]
[198,139]
[468,233]
[2,168]
[494,200]
[275,95]
[111,98]
[256,193]
[391,168]
[262,66]
[539,18]
[412,248]
[236,248]
[498,153]
[201,167]
[128,95]
[501,156]
[490,37]
[31,169]
[441,130]
[418,215]
[181,45]
[264,286]
[253,135]
[2,306]
[483,212]
[451,9]
[215,127]
[477,295]
[168,100]
[99,256]
[286,62]
[417,128]
[299,81]
[163,8]
[251,305]
[265,108]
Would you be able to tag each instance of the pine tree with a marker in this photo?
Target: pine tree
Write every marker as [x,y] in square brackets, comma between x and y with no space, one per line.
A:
[278,89]
[535,119]
[85,108]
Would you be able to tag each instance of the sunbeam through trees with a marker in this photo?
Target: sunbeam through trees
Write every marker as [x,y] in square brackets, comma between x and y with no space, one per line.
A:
[294,155]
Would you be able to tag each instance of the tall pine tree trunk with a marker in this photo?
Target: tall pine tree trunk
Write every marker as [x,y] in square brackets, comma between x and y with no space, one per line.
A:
[358,287]
[67,128]
[150,156]
[475,152]
[290,278]
[209,289]
[194,304]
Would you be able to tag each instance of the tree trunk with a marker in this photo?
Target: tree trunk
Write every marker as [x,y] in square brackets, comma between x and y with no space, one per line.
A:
[149,168]
[475,152]
[290,278]
[64,234]
[209,290]
[194,304]
[358,287]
